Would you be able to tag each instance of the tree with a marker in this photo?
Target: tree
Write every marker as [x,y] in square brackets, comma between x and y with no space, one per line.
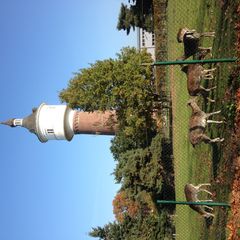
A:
[112,83]
[124,206]
[138,14]
[98,232]
[147,169]
[123,85]
[110,231]
[140,228]
[141,169]
[127,206]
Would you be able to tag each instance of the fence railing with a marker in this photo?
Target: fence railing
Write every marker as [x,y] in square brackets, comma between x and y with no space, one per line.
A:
[204,162]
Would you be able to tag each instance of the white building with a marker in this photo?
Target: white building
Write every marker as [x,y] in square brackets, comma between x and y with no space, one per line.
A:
[146,40]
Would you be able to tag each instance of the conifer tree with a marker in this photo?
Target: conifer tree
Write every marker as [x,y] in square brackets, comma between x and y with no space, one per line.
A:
[139,13]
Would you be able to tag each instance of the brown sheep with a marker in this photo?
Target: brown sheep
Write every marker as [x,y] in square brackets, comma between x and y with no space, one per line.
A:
[195,74]
[190,39]
[198,123]
[191,194]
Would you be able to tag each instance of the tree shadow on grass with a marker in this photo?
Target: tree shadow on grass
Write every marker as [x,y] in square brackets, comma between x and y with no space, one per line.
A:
[216,156]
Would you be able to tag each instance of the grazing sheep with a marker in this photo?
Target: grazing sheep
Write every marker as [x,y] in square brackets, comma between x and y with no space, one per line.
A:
[190,39]
[195,73]
[191,194]
[198,123]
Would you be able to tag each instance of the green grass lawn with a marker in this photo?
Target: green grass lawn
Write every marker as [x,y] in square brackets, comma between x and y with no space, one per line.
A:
[204,163]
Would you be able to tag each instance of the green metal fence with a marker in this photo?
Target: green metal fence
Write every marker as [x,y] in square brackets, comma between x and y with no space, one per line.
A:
[204,163]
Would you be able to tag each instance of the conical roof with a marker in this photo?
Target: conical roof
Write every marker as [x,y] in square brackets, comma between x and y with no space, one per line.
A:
[28,122]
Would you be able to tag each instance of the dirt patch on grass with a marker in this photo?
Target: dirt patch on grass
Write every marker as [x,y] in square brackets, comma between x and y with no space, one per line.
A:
[234,221]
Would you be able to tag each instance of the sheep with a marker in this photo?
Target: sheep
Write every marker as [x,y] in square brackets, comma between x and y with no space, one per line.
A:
[198,123]
[191,194]
[190,39]
[195,73]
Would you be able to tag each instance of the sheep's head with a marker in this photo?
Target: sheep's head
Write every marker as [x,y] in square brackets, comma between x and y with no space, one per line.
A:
[192,101]
[181,33]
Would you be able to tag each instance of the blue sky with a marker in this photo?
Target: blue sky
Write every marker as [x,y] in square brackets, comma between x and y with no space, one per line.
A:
[57,190]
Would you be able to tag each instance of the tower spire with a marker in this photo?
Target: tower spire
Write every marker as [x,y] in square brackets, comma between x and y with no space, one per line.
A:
[9,122]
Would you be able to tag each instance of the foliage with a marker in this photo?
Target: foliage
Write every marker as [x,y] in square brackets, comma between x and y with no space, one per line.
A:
[141,228]
[124,206]
[145,175]
[110,231]
[98,232]
[141,169]
[138,14]
[133,136]
[120,84]
[112,84]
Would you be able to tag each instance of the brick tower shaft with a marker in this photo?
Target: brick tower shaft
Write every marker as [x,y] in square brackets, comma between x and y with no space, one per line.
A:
[96,122]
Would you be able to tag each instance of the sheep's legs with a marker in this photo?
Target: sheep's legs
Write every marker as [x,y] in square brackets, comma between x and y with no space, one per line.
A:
[208,34]
[217,140]
[207,139]
[213,121]
[207,89]
[213,113]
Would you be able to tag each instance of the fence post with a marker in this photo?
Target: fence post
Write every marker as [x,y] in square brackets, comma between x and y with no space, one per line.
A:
[193,203]
[220,60]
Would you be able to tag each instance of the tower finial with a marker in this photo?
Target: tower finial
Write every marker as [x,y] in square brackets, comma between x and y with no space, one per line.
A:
[9,122]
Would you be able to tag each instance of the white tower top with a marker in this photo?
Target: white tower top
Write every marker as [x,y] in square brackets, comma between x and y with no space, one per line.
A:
[48,122]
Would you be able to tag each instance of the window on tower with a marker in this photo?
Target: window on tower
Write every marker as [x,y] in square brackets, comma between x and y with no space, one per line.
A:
[153,39]
[143,38]
[50,131]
